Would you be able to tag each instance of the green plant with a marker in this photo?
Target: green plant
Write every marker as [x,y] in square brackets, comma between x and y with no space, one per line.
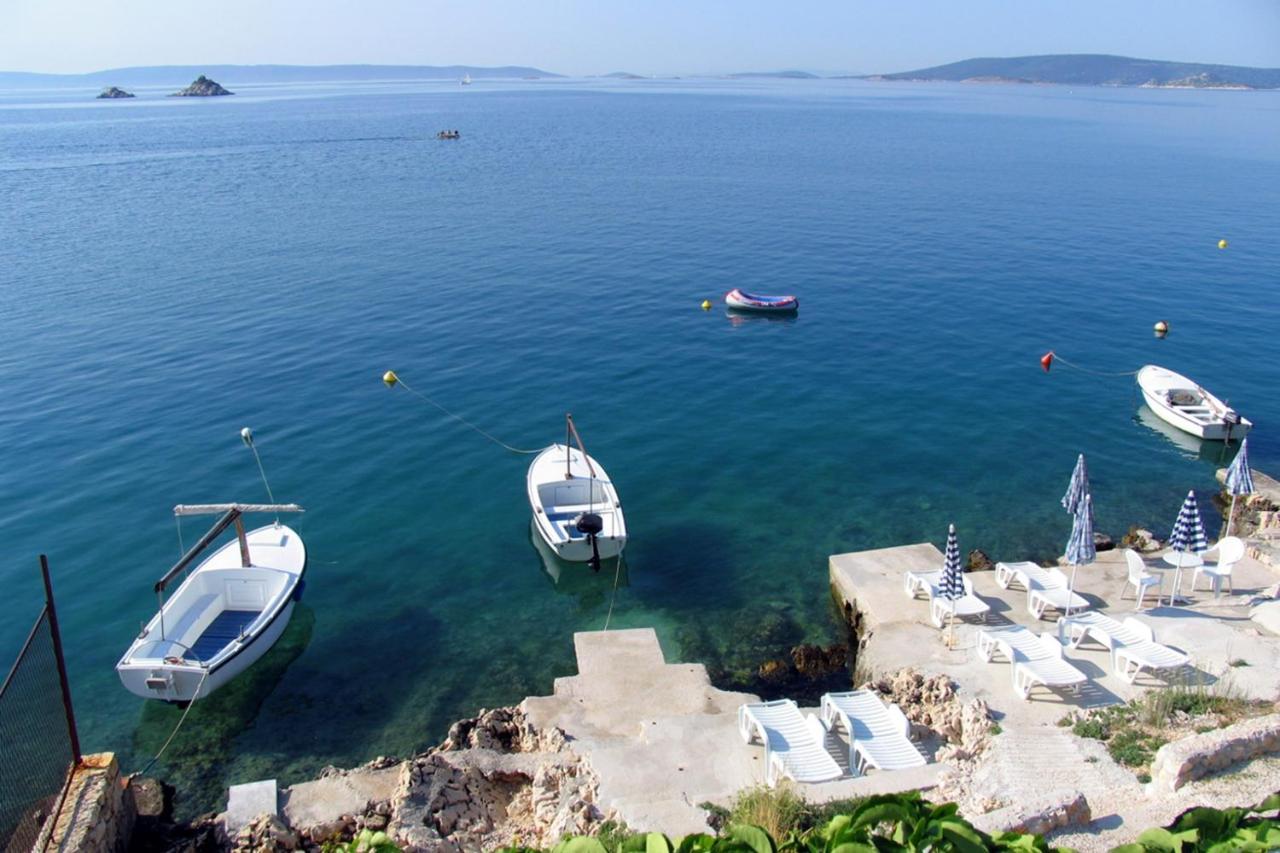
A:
[613,833]
[365,841]
[994,729]
[1132,748]
[1092,727]
[778,810]
[1211,829]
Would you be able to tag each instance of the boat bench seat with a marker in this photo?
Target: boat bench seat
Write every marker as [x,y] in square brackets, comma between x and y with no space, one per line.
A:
[194,614]
[222,631]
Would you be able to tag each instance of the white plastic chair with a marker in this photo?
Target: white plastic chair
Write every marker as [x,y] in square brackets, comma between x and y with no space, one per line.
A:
[879,736]
[1138,577]
[1230,551]
[794,744]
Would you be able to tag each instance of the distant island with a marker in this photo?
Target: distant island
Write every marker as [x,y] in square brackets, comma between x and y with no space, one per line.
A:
[112,92]
[201,87]
[622,75]
[1096,70]
[238,75]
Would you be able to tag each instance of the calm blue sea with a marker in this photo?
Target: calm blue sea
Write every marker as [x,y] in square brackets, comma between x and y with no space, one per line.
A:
[173,270]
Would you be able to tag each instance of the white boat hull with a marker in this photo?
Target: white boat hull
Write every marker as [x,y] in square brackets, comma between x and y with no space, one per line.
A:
[245,609]
[557,501]
[182,682]
[1201,416]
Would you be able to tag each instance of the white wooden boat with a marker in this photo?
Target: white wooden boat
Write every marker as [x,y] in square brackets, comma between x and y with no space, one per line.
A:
[576,509]
[743,301]
[225,614]
[1182,403]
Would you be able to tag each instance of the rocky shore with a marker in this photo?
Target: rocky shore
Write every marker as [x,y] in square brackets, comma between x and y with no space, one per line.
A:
[112,92]
[496,780]
[201,87]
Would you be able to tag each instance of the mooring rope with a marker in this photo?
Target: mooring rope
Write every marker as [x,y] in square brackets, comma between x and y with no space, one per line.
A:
[181,720]
[1057,357]
[617,573]
[459,418]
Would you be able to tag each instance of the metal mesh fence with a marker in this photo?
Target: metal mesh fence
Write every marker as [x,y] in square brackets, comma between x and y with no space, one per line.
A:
[36,752]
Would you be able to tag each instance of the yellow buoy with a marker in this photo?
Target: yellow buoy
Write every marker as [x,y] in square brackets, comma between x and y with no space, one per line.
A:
[1162,328]
[390,378]
[1222,244]
[706,305]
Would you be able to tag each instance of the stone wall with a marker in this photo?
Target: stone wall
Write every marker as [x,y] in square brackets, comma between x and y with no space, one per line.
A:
[1188,759]
[98,814]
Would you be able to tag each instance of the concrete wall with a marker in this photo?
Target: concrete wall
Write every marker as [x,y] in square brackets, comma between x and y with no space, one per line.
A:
[1188,759]
[98,814]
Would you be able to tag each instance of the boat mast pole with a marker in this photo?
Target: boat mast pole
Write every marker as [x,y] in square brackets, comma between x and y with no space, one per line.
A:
[568,443]
[244,542]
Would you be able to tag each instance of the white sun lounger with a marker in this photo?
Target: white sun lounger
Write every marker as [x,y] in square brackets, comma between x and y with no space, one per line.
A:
[1046,588]
[917,582]
[879,735]
[1036,658]
[940,609]
[794,744]
[1132,643]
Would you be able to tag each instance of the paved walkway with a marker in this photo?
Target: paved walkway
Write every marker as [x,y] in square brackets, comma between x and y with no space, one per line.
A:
[663,740]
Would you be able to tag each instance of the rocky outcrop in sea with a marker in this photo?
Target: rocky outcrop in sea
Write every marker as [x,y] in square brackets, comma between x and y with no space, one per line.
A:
[114,92]
[202,87]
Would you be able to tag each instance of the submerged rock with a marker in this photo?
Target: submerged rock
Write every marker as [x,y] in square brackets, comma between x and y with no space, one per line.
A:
[202,87]
[113,92]
[978,561]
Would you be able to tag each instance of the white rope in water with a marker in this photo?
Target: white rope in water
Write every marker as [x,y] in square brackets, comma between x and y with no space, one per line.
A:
[1057,357]
[617,573]
[463,420]
[181,720]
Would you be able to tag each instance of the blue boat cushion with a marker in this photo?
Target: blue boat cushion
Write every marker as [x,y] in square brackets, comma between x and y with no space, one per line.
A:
[221,632]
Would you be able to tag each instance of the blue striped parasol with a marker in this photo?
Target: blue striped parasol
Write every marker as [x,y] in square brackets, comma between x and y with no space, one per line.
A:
[1081,549]
[1188,531]
[1078,488]
[951,584]
[1187,535]
[1239,480]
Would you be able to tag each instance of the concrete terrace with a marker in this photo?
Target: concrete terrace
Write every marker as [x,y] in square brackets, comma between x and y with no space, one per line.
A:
[663,740]
[1033,757]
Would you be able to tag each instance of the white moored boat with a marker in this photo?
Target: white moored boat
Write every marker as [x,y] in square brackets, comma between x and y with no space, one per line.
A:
[225,614]
[1182,403]
[576,509]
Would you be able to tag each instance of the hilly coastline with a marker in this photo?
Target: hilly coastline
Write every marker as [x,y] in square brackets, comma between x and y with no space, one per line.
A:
[1096,70]
[238,75]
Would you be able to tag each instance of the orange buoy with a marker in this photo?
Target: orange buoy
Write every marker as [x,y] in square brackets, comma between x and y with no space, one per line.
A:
[1046,361]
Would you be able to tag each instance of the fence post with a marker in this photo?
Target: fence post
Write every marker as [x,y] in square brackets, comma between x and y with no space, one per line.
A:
[62,664]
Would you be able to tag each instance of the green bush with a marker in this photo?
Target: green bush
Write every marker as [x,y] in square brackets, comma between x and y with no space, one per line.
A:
[906,823]
[1092,727]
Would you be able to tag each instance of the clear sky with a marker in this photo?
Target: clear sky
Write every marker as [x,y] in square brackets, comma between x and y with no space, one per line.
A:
[581,37]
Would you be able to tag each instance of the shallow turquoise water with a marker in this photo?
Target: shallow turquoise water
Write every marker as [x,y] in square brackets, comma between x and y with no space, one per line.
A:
[174,270]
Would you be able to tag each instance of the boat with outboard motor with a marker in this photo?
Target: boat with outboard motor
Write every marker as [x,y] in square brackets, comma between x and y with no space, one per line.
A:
[743,301]
[228,611]
[1182,403]
[576,508]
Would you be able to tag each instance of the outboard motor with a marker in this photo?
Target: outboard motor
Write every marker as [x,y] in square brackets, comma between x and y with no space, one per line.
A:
[591,524]
[1232,419]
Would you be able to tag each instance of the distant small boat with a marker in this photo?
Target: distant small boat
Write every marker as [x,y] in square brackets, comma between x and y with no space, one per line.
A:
[227,612]
[744,301]
[576,509]
[466,79]
[1182,403]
